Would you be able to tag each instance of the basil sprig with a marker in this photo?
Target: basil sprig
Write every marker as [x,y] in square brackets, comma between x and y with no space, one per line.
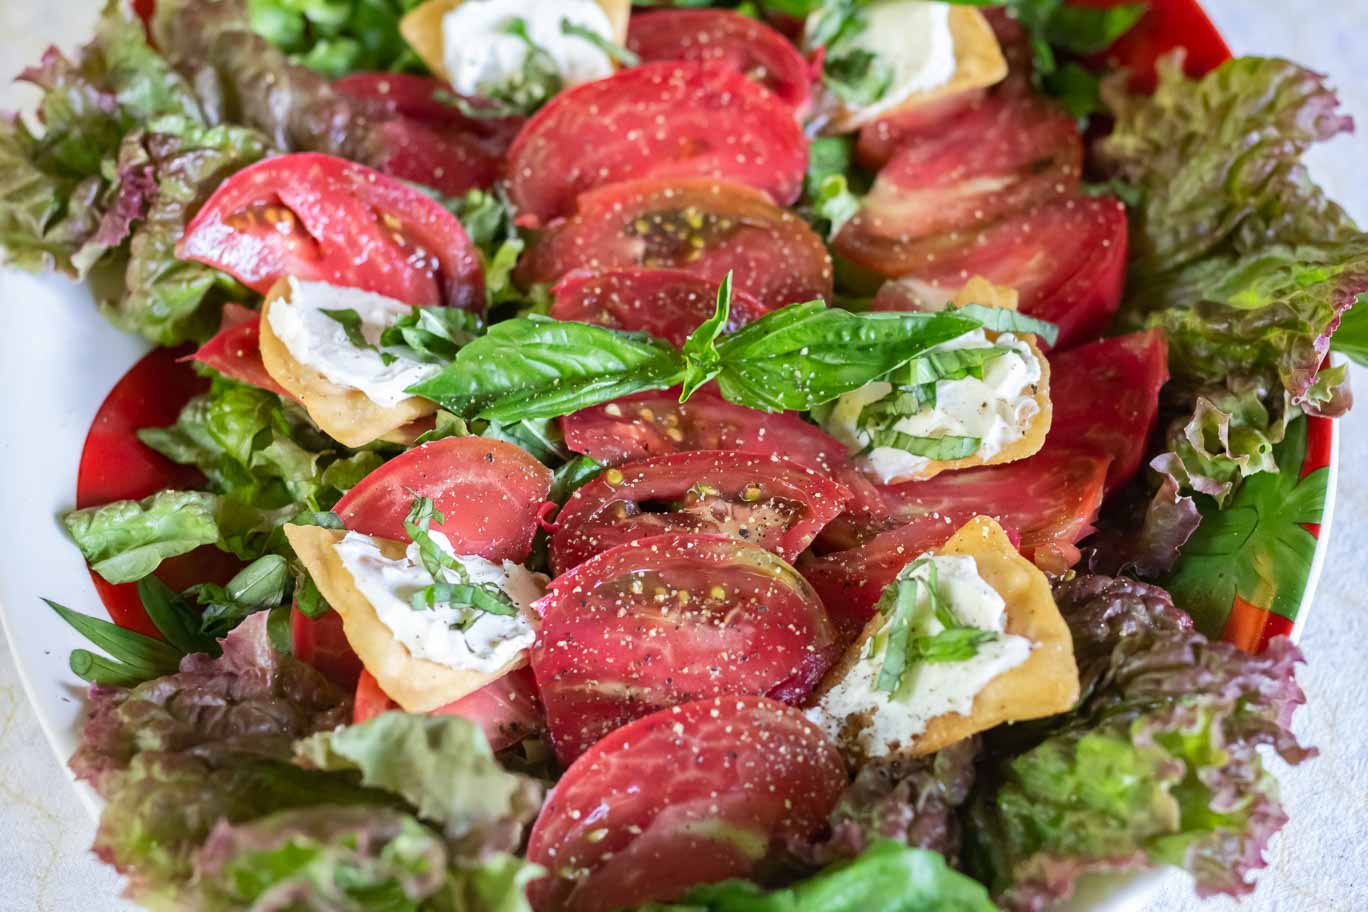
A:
[903,639]
[1002,320]
[460,593]
[793,358]
[938,448]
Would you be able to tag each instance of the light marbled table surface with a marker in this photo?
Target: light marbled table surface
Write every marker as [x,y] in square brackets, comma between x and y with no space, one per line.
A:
[1318,864]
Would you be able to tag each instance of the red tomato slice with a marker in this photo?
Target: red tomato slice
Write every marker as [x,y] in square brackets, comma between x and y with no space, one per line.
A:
[235,351]
[489,491]
[659,120]
[669,619]
[690,795]
[116,465]
[1050,499]
[1106,398]
[1067,261]
[653,424]
[746,45]
[764,500]
[705,227]
[881,140]
[322,643]
[417,98]
[667,303]
[1167,24]
[995,159]
[322,218]
[507,710]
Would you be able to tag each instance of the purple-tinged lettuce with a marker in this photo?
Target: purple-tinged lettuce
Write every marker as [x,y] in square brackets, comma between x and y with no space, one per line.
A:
[1159,763]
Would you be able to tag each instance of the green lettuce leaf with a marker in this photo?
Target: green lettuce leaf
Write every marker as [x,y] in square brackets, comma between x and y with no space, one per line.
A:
[337,37]
[1160,762]
[888,876]
[1236,252]
[125,541]
[442,766]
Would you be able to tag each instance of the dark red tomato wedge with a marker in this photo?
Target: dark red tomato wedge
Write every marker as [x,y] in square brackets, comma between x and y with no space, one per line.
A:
[653,424]
[427,141]
[1050,500]
[490,493]
[507,710]
[322,643]
[995,159]
[659,120]
[235,351]
[1166,25]
[879,141]
[746,45]
[763,500]
[667,303]
[1106,398]
[690,795]
[116,465]
[704,227]
[669,619]
[321,218]
[1067,261]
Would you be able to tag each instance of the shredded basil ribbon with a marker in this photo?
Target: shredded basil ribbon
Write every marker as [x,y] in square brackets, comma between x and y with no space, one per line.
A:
[902,645]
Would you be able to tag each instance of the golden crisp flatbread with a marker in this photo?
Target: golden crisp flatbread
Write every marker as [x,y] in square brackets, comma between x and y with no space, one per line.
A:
[978,64]
[417,685]
[346,415]
[1043,685]
[422,28]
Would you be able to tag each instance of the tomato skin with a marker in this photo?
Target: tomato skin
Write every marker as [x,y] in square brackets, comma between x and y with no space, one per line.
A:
[1067,261]
[1049,500]
[489,491]
[416,97]
[1106,399]
[507,710]
[728,38]
[322,643]
[670,119]
[638,426]
[614,509]
[635,813]
[669,619]
[1166,25]
[116,465]
[880,140]
[774,255]
[666,303]
[317,217]
[235,350]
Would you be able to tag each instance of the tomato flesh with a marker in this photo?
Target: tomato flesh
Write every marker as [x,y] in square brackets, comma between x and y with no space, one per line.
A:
[881,140]
[1106,399]
[1050,500]
[489,492]
[670,119]
[1067,261]
[690,795]
[235,350]
[321,218]
[764,500]
[669,619]
[322,643]
[746,45]
[1002,156]
[705,227]
[507,710]
[666,303]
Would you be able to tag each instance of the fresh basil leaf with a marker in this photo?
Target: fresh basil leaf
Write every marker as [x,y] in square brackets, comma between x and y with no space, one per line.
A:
[956,644]
[1000,320]
[308,599]
[143,655]
[1078,89]
[806,354]
[280,629]
[615,52]
[702,361]
[431,335]
[857,77]
[535,367]
[1090,30]
[938,448]
[541,437]
[173,616]
[485,599]
[896,634]
[352,326]
[260,585]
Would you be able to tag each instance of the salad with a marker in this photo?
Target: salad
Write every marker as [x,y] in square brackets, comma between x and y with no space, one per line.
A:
[805,455]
